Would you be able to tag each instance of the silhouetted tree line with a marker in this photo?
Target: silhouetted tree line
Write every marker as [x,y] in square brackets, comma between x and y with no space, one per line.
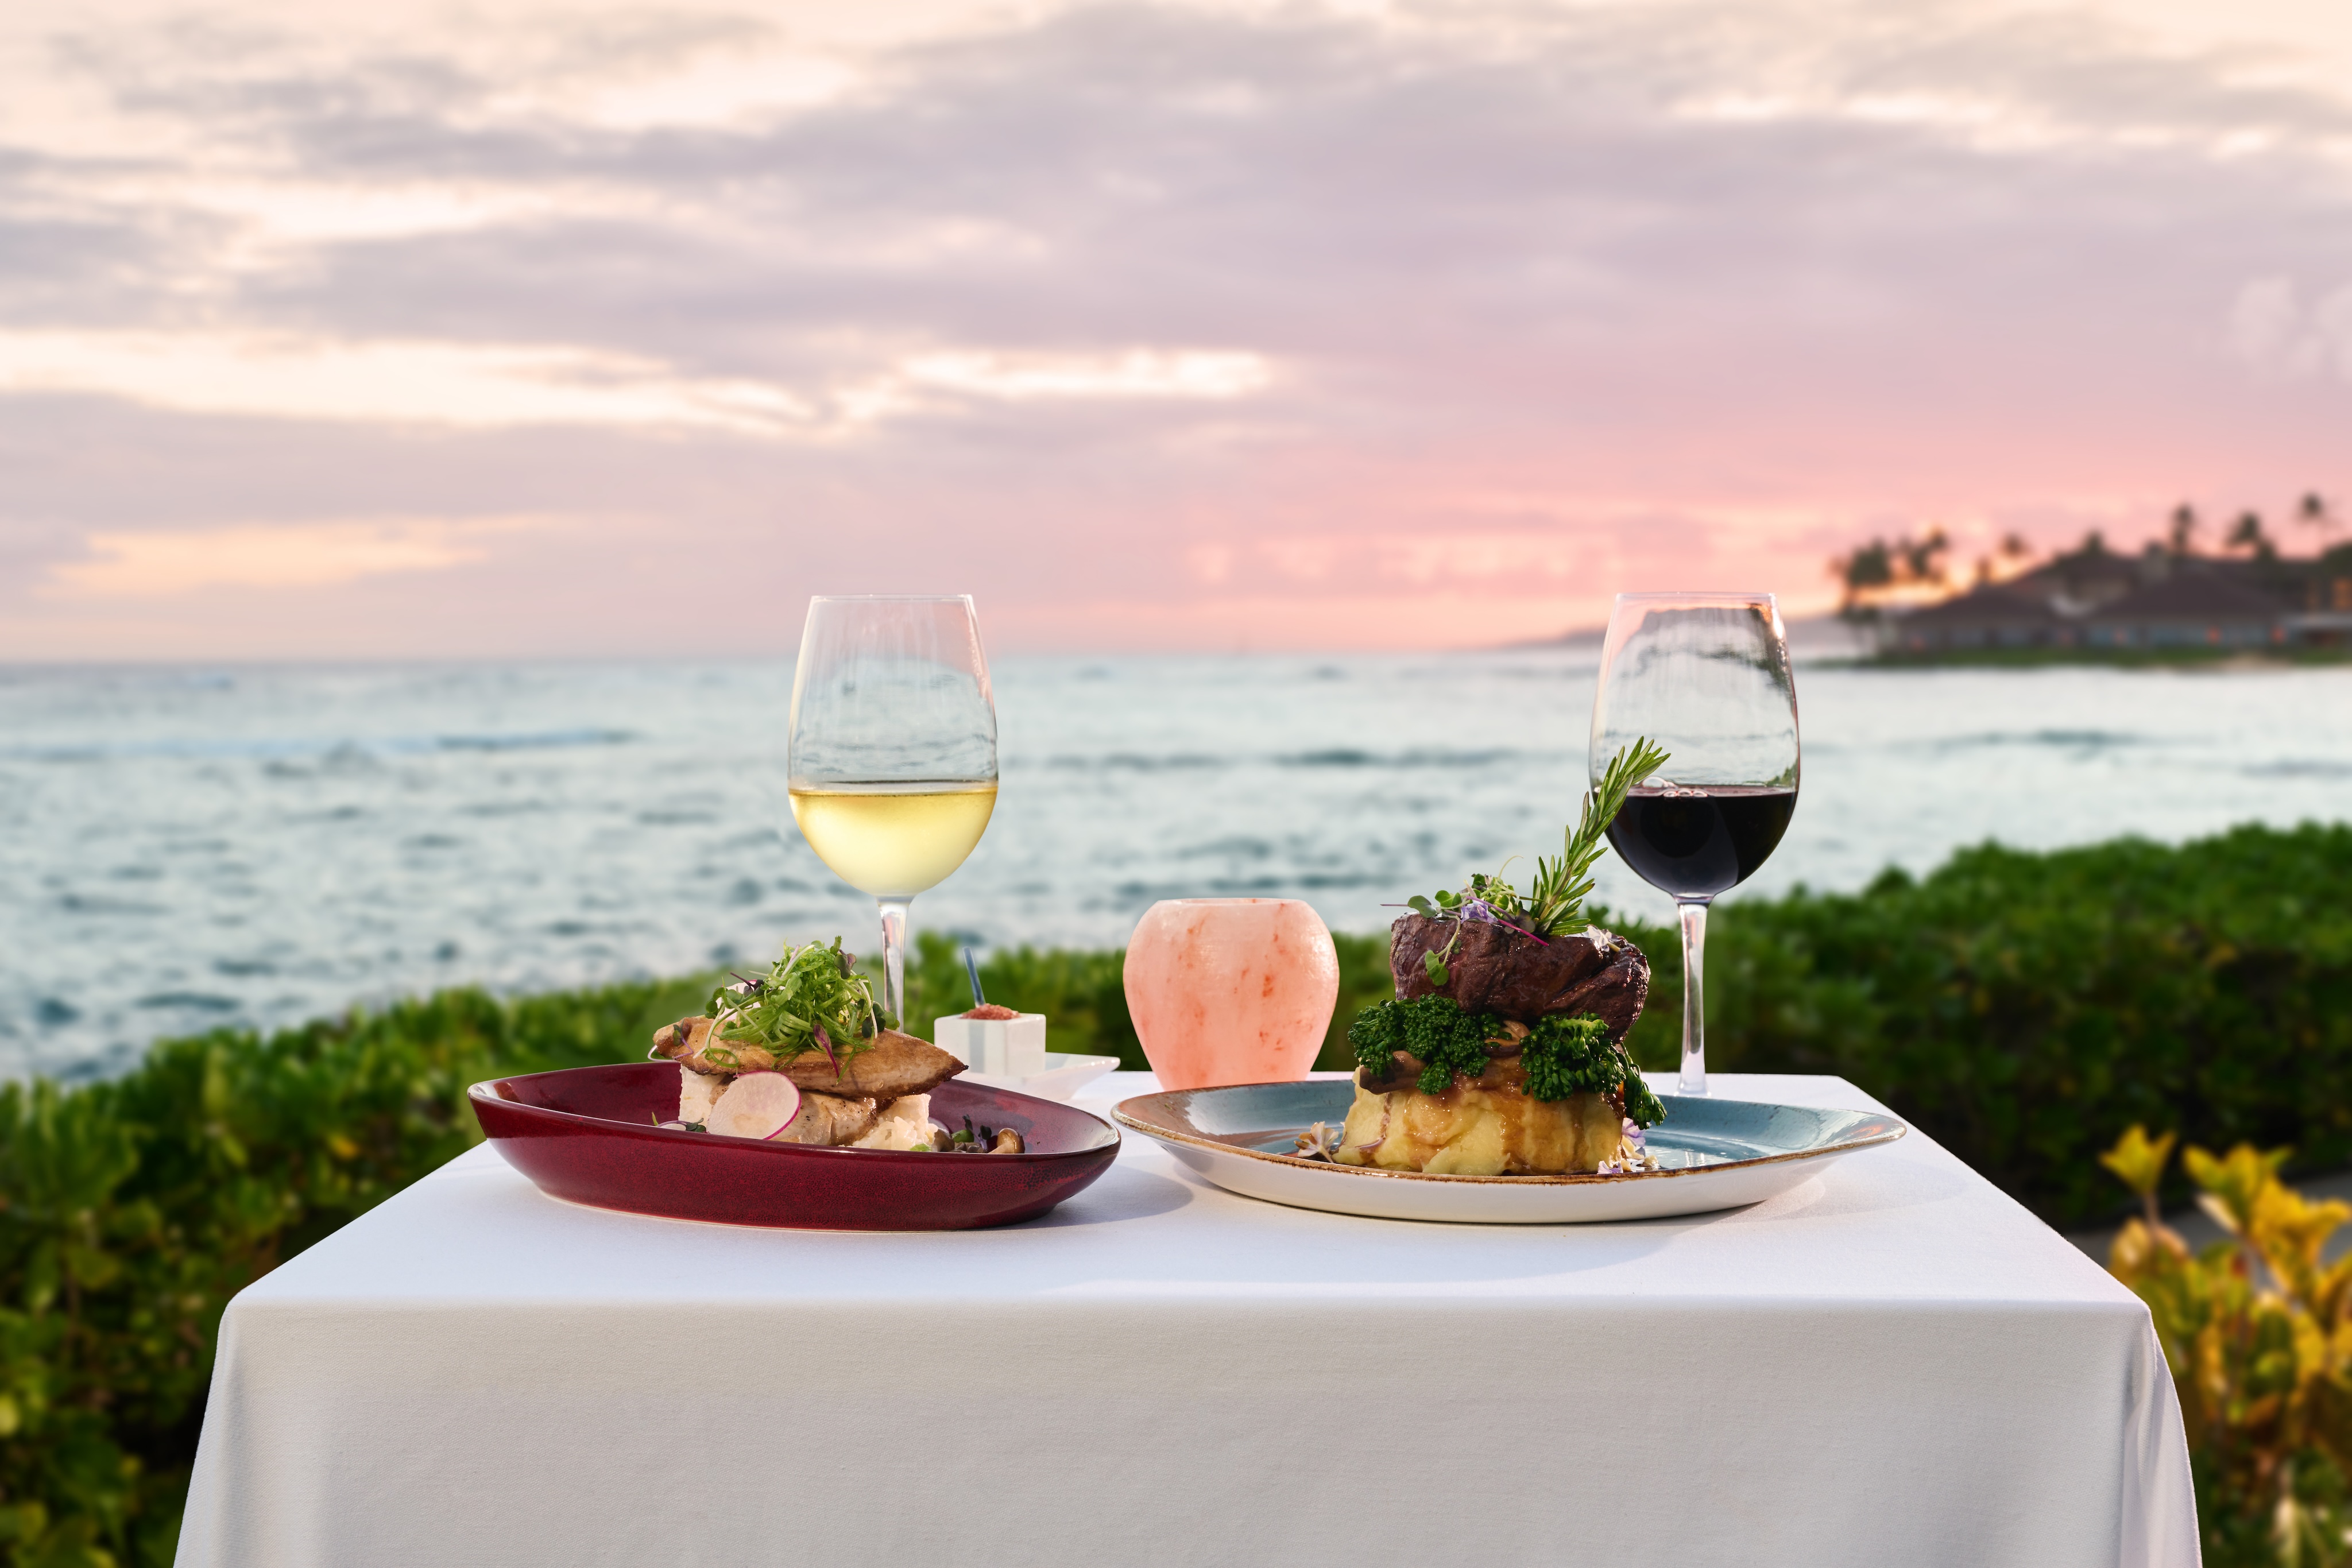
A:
[1889,570]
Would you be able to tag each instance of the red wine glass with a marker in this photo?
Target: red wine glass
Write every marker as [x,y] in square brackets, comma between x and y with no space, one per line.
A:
[1706,677]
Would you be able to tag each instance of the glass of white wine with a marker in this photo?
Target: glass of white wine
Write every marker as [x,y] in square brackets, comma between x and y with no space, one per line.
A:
[892,756]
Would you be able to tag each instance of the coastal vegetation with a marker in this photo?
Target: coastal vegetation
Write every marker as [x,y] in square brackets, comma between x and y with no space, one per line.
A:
[2173,602]
[2023,1009]
[131,1210]
[2189,656]
[2257,1331]
[1881,573]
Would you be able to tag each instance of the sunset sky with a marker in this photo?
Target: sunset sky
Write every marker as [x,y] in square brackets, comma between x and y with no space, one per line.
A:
[551,328]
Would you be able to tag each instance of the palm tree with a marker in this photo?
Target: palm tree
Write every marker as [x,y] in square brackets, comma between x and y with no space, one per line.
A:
[2313,513]
[2247,534]
[1869,572]
[2183,534]
[1861,571]
[1923,558]
[2007,562]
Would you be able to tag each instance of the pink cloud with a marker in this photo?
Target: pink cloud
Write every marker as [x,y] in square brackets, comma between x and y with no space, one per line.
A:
[1151,327]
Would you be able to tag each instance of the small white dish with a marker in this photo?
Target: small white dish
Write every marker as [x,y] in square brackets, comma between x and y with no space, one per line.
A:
[1008,1049]
[1063,1076]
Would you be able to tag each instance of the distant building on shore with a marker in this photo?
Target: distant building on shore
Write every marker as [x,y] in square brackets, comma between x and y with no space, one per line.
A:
[2094,599]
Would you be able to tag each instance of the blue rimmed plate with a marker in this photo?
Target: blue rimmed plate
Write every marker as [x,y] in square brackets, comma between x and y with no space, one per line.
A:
[1713,1154]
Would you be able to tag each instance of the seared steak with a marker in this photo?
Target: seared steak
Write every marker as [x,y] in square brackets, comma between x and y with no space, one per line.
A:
[1495,969]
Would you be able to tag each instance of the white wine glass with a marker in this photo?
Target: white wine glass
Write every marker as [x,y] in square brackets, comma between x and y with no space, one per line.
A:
[892,754]
[1706,676]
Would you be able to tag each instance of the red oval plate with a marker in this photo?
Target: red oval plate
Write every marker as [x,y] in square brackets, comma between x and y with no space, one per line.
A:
[586,1135]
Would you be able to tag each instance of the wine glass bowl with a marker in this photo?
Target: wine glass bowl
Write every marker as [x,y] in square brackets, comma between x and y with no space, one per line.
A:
[1706,677]
[894,842]
[891,757]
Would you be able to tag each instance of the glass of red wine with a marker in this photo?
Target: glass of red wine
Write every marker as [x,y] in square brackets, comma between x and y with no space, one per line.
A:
[1706,676]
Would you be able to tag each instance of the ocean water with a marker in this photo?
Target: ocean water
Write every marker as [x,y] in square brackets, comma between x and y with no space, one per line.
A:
[182,849]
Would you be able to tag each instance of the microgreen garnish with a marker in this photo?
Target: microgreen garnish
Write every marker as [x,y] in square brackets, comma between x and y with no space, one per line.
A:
[812,999]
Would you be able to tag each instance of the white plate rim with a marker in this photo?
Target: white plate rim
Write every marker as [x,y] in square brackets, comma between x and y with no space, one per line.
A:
[1071,1071]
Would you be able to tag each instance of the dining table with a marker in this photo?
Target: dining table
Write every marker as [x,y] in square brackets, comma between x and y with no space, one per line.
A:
[1891,1362]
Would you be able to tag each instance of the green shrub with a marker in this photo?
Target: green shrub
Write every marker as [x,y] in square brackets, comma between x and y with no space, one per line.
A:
[131,1212]
[2023,1009]
[2254,1332]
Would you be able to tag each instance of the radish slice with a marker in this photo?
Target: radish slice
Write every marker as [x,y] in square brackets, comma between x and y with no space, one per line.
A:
[756,1105]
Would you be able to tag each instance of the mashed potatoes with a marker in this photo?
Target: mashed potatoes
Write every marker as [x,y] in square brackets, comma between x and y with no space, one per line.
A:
[1472,1131]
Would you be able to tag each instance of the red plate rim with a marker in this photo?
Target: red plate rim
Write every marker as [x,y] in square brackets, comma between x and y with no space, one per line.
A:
[497,1089]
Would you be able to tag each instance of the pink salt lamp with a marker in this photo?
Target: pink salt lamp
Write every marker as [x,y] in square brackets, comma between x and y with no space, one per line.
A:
[1231,990]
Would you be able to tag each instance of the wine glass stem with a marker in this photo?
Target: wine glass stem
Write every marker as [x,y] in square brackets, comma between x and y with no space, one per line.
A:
[894,959]
[1694,1076]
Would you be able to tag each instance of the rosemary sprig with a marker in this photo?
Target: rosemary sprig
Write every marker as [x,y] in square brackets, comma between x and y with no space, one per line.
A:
[1554,905]
[1555,901]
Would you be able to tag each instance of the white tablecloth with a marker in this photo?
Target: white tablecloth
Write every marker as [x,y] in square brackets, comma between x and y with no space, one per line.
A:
[1892,1363]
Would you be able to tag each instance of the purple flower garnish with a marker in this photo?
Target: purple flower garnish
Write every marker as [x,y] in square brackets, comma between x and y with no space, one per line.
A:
[1486,914]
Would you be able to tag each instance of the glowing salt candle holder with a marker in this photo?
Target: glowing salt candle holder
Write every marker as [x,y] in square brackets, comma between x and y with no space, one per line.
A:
[1011,1047]
[1231,990]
